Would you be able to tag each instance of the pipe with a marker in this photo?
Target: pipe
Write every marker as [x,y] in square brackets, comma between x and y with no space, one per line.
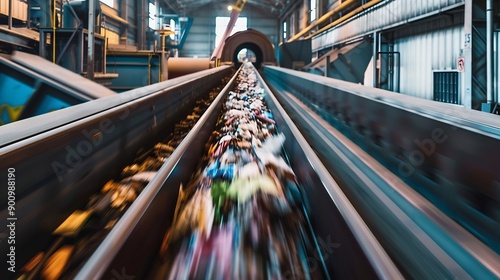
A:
[235,13]
[180,66]
[322,19]
[375,58]
[161,69]
[327,66]
[379,59]
[91,34]
[53,39]
[489,51]
[164,59]
[229,28]
[496,71]
[10,14]
[149,69]
[28,12]
[345,17]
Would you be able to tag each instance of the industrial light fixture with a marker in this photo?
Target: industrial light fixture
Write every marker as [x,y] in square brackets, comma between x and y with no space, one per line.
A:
[238,6]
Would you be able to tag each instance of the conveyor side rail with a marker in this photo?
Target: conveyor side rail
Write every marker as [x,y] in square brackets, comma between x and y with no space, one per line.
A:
[59,168]
[448,154]
[154,209]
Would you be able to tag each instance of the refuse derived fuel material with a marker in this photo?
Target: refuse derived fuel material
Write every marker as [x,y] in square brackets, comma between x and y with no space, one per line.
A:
[141,231]
[331,249]
[80,234]
[240,216]
[71,153]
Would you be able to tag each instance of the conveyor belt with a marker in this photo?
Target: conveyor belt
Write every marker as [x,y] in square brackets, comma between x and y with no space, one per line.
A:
[447,153]
[59,168]
[422,240]
[146,215]
[344,243]
[151,214]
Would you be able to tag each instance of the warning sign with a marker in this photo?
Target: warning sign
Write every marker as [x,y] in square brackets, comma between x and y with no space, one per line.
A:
[460,64]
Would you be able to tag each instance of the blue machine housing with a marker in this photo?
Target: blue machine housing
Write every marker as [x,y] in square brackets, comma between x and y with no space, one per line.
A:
[28,89]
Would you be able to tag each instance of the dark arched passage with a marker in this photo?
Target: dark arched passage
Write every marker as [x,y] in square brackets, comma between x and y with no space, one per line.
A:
[254,48]
[252,40]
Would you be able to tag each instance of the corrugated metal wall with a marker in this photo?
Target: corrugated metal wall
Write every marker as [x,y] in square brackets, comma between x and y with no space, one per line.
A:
[381,16]
[132,14]
[496,65]
[200,41]
[19,9]
[265,23]
[422,54]
[201,36]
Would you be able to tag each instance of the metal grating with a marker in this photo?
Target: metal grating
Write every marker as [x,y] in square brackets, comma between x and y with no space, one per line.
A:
[446,86]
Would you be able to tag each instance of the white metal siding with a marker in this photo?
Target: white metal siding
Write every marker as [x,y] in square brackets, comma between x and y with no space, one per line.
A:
[383,15]
[496,65]
[424,53]
[201,36]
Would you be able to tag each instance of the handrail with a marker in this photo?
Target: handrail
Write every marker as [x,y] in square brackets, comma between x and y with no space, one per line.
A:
[381,262]
[98,263]
[322,19]
[365,115]
[344,18]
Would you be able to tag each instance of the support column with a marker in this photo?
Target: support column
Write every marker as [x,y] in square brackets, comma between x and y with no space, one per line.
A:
[467,55]
[327,66]
[10,14]
[475,89]
[142,14]
[496,68]
[46,13]
[376,40]
[489,57]
[124,14]
[90,47]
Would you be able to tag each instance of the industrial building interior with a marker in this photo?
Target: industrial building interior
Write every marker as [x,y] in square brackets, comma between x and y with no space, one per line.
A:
[250,139]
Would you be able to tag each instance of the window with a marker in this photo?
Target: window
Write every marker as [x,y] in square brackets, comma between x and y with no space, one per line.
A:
[221,24]
[284,30]
[446,86]
[247,55]
[153,19]
[173,27]
[109,2]
[314,10]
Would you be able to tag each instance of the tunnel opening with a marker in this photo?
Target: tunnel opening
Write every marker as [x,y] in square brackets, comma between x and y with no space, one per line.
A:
[253,54]
[246,55]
